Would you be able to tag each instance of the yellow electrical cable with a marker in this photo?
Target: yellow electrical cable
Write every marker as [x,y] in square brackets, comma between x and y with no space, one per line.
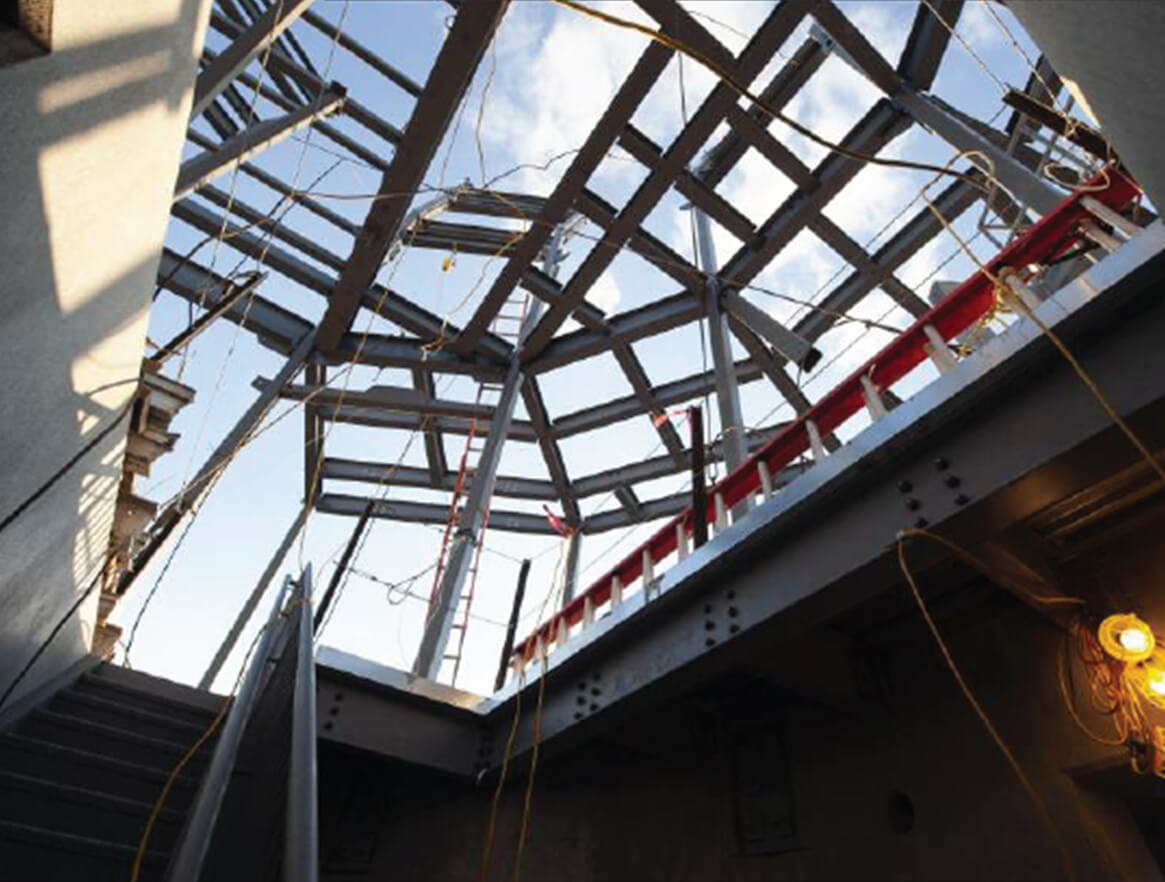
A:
[507,752]
[529,798]
[170,779]
[1029,789]
[985,568]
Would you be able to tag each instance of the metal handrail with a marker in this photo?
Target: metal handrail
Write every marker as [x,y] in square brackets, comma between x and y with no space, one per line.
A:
[196,836]
[301,840]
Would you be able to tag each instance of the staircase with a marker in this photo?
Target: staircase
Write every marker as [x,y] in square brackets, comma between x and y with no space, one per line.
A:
[80,775]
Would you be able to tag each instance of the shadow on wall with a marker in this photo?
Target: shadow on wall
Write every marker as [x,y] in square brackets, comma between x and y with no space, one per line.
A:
[92,138]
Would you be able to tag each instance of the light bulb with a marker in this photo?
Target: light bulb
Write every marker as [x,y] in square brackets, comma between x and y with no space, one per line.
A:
[1134,640]
[1126,638]
[1155,682]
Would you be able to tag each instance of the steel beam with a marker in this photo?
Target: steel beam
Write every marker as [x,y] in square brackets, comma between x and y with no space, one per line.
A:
[246,47]
[230,295]
[1014,423]
[665,395]
[871,134]
[643,512]
[385,303]
[854,254]
[625,328]
[275,326]
[1023,183]
[647,153]
[570,570]
[634,89]
[429,513]
[472,29]
[203,169]
[402,399]
[378,418]
[279,186]
[555,464]
[855,48]
[924,226]
[273,226]
[434,443]
[768,38]
[337,137]
[386,474]
[934,24]
[365,54]
[252,602]
[791,346]
[725,154]
[312,85]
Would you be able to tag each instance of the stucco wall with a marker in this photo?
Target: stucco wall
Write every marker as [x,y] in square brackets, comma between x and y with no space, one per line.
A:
[91,138]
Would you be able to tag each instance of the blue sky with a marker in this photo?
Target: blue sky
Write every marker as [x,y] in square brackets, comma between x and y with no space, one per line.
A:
[545,81]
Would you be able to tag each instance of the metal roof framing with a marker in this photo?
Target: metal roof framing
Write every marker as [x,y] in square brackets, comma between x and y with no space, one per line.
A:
[258,32]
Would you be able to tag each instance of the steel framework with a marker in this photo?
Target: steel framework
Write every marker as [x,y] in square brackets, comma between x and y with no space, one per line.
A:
[246,115]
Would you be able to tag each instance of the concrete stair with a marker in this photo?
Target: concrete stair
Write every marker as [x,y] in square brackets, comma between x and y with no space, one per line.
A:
[80,775]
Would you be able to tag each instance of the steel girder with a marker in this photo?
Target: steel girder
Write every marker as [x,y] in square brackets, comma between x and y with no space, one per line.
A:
[514,487]
[1013,422]
[934,24]
[276,327]
[269,180]
[554,211]
[769,37]
[473,27]
[386,303]
[247,46]
[312,84]
[203,169]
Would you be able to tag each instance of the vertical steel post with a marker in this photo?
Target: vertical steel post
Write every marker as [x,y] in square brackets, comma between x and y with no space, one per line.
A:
[570,577]
[301,862]
[699,494]
[435,637]
[512,627]
[727,393]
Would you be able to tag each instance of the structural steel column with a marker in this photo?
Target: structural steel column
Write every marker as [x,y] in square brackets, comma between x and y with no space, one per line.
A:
[727,393]
[570,577]
[431,654]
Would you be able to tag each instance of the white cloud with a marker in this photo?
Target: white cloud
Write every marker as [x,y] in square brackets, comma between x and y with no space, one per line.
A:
[977,26]
[605,293]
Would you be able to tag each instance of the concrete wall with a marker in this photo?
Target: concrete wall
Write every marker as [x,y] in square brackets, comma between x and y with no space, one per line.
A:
[91,137]
[654,800]
[1112,51]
